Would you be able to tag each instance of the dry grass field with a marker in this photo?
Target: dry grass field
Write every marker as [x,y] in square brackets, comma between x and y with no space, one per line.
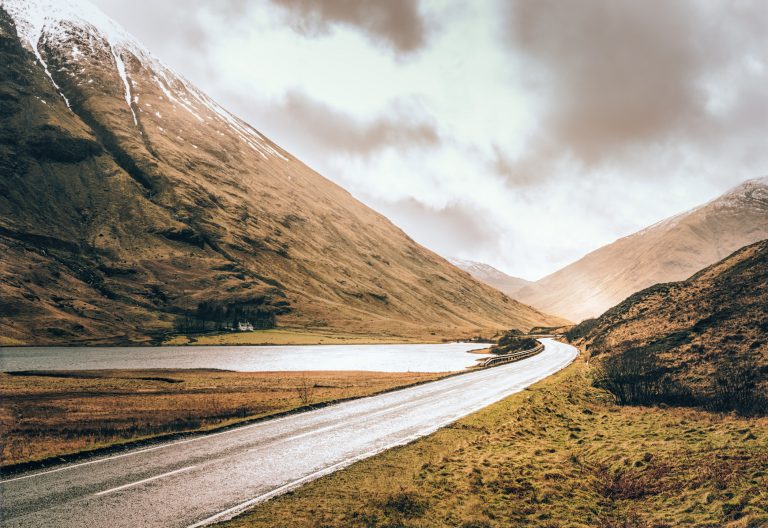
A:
[48,415]
[560,454]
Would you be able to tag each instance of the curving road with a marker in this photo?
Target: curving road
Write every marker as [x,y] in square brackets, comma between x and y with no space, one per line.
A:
[205,479]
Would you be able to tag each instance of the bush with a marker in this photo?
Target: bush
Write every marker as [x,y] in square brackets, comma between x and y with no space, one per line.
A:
[634,377]
[581,330]
[513,341]
[736,386]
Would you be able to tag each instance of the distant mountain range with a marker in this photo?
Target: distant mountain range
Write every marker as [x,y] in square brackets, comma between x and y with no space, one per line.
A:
[130,199]
[491,276]
[670,250]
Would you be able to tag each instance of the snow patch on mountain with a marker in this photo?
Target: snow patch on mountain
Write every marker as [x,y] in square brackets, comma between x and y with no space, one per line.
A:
[490,275]
[477,268]
[124,77]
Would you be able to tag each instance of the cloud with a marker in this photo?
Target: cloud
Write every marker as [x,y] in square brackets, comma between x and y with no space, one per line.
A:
[617,73]
[324,135]
[151,22]
[447,230]
[396,23]
[341,132]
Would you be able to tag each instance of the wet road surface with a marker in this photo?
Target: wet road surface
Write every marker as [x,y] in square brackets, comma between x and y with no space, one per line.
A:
[204,479]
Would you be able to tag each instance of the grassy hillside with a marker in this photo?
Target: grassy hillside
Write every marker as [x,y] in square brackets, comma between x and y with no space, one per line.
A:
[705,339]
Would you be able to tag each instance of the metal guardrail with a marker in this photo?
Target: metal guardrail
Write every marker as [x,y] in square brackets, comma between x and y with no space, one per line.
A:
[514,356]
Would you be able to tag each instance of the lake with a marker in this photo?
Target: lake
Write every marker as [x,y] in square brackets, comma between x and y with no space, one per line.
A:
[384,358]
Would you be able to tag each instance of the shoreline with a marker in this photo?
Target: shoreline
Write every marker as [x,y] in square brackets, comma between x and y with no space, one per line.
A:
[282,336]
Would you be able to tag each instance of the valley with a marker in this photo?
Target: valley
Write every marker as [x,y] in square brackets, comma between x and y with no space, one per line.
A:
[660,422]
[198,328]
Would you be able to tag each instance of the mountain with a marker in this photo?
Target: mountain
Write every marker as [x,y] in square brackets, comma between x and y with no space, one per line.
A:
[130,199]
[670,250]
[491,276]
[697,330]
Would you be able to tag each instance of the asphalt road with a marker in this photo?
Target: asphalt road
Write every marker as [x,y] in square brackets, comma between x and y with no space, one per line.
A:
[201,480]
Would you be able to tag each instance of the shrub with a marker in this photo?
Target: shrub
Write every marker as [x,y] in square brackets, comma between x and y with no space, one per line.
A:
[736,386]
[513,341]
[581,330]
[305,390]
[635,377]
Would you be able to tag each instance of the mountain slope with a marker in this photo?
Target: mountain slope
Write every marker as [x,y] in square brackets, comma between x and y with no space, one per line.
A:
[129,198]
[668,251]
[491,276]
[697,329]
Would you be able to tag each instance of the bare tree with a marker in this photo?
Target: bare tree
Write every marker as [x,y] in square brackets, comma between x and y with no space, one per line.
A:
[305,391]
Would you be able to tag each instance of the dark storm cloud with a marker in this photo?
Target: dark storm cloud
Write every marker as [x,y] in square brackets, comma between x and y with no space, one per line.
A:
[316,127]
[396,23]
[341,132]
[620,73]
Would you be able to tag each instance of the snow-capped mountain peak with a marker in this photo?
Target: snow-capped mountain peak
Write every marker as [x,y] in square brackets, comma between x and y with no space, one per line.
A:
[490,275]
[84,39]
[37,17]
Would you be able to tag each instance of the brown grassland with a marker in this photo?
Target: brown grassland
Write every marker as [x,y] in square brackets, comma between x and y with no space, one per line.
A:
[65,412]
[559,454]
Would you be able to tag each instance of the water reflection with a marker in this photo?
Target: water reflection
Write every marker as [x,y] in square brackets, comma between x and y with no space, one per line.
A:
[388,358]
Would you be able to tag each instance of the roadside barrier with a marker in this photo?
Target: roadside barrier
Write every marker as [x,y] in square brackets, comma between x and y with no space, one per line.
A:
[514,356]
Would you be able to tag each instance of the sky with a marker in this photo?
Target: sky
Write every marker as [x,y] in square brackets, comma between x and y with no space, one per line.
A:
[523,134]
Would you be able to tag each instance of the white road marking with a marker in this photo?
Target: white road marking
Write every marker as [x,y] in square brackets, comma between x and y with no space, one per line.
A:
[139,482]
[203,436]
